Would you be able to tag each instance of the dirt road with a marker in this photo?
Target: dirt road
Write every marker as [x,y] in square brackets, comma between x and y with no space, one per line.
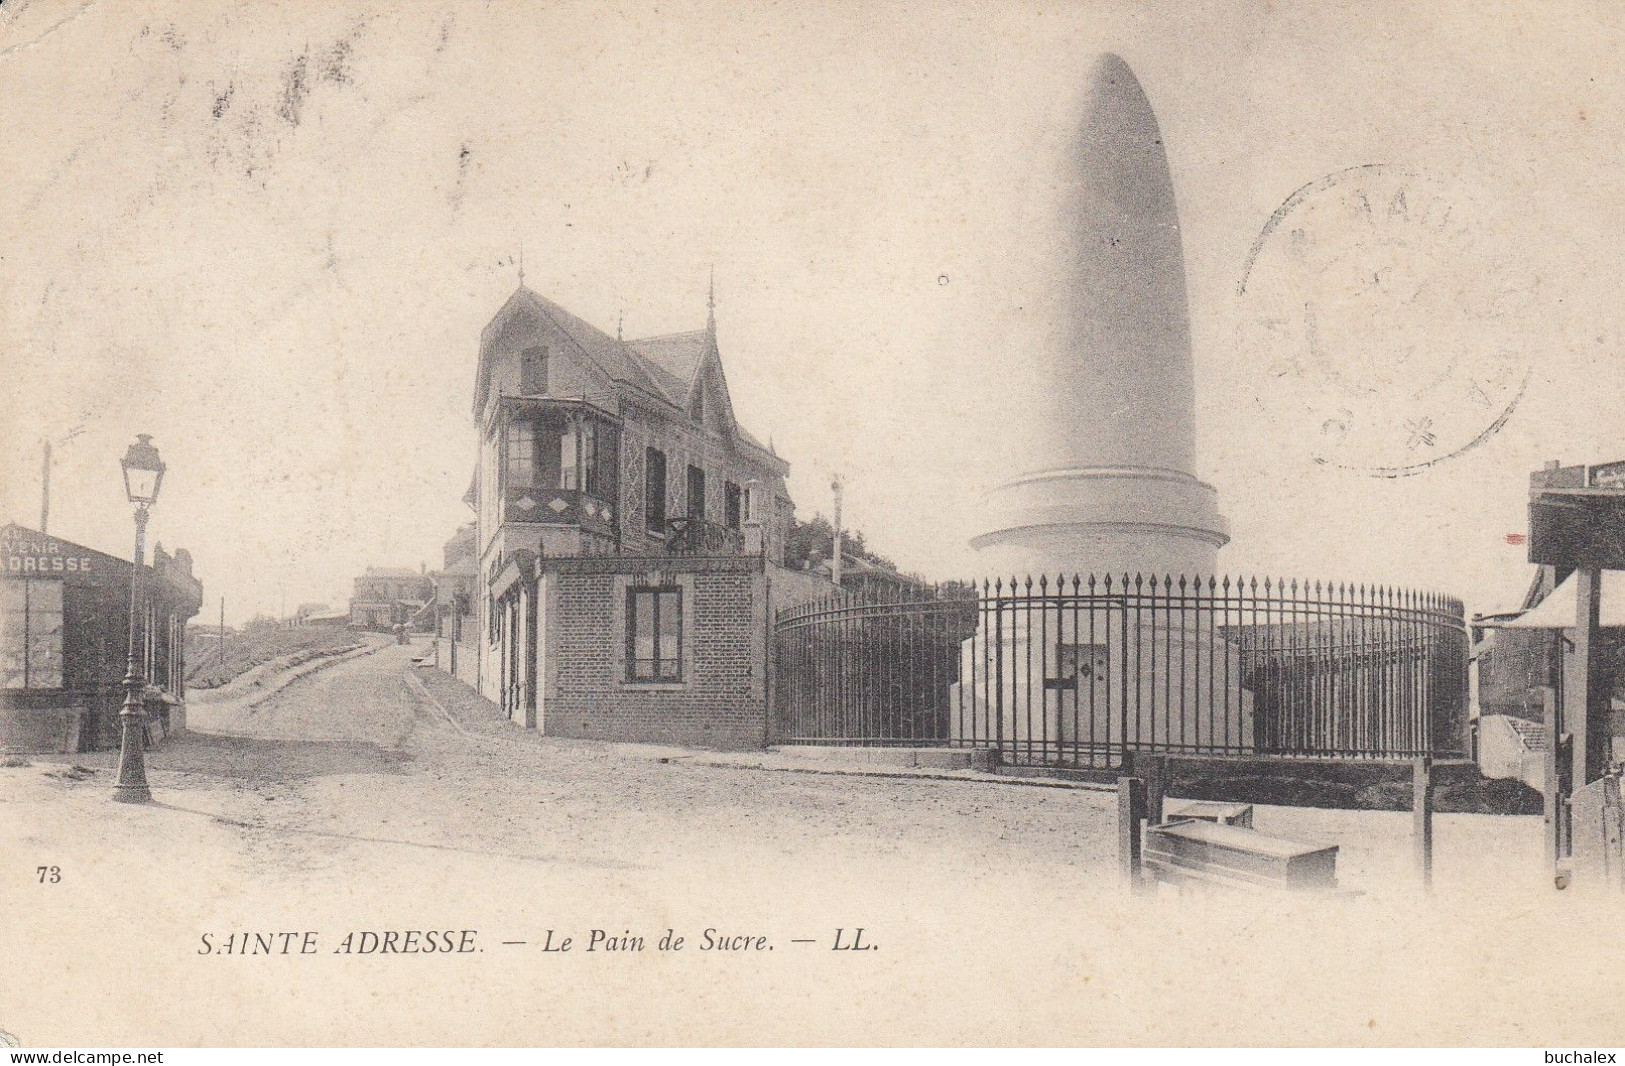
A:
[373,797]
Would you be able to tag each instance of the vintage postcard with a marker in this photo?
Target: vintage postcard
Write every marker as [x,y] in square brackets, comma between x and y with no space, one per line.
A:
[811,524]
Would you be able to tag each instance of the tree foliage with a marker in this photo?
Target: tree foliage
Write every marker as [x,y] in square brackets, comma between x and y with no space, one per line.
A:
[816,538]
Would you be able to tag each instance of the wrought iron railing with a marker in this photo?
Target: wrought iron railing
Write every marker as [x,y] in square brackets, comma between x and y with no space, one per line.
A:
[1079,670]
[873,668]
[696,536]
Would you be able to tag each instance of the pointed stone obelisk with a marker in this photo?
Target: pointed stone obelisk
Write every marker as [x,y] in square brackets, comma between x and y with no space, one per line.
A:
[1108,485]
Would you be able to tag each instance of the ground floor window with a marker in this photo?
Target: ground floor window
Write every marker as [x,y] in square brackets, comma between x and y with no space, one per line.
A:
[654,634]
[31,634]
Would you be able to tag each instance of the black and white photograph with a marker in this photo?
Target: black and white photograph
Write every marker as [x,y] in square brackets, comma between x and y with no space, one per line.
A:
[874,523]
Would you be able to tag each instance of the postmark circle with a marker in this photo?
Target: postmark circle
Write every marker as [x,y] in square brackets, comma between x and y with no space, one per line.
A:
[1391,338]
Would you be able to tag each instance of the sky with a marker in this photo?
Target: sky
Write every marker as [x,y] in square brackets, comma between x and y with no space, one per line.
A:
[269,235]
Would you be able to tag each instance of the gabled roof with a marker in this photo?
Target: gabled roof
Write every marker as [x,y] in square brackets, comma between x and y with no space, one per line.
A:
[682,359]
[675,357]
[668,368]
[613,357]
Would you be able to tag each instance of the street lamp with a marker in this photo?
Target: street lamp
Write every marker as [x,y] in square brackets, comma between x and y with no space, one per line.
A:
[143,474]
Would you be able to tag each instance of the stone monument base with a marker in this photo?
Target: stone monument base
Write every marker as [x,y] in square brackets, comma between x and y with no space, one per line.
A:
[1042,683]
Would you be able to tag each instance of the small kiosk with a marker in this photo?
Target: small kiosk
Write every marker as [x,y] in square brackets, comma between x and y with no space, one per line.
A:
[64,633]
[1577,529]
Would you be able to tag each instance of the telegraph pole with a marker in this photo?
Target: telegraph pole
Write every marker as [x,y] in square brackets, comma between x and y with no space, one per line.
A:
[45,489]
[835,560]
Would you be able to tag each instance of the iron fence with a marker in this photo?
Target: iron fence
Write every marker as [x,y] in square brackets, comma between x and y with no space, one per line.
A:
[1077,671]
[872,668]
[696,536]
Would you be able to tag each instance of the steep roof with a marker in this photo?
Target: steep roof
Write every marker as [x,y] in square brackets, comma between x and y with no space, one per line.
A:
[611,356]
[675,359]
[669,367]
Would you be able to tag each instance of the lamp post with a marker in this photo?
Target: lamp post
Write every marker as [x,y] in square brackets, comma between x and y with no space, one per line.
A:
[143,474]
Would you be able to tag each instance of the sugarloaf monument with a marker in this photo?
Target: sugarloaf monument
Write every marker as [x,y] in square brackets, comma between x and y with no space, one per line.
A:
[1108,484]
[1106,487]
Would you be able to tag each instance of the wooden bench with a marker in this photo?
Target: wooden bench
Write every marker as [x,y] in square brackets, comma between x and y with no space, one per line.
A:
[1202,852]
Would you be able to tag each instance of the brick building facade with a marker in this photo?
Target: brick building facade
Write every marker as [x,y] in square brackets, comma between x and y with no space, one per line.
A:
[626,531]
[590,687]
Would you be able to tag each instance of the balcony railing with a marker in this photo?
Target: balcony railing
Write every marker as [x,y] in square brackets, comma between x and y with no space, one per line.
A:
[696,536]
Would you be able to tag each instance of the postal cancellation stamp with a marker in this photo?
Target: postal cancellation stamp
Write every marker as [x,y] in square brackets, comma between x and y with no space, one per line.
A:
[1382,325]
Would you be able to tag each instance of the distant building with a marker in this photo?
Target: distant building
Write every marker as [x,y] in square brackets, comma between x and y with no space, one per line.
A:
[456,631]
[64,641]
[627,535]
[387,595]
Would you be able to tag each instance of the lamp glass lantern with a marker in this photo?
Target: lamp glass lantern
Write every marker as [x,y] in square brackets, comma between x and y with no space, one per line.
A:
[143,471]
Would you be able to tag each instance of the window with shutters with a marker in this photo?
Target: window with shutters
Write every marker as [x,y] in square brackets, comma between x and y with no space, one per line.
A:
[654,491]
[696,492]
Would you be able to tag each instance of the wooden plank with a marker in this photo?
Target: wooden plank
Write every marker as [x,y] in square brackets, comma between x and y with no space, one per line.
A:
[1551,799]
[1422,819]
[1580,686]
[1238,838]
[1130,814]
[1211,811]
